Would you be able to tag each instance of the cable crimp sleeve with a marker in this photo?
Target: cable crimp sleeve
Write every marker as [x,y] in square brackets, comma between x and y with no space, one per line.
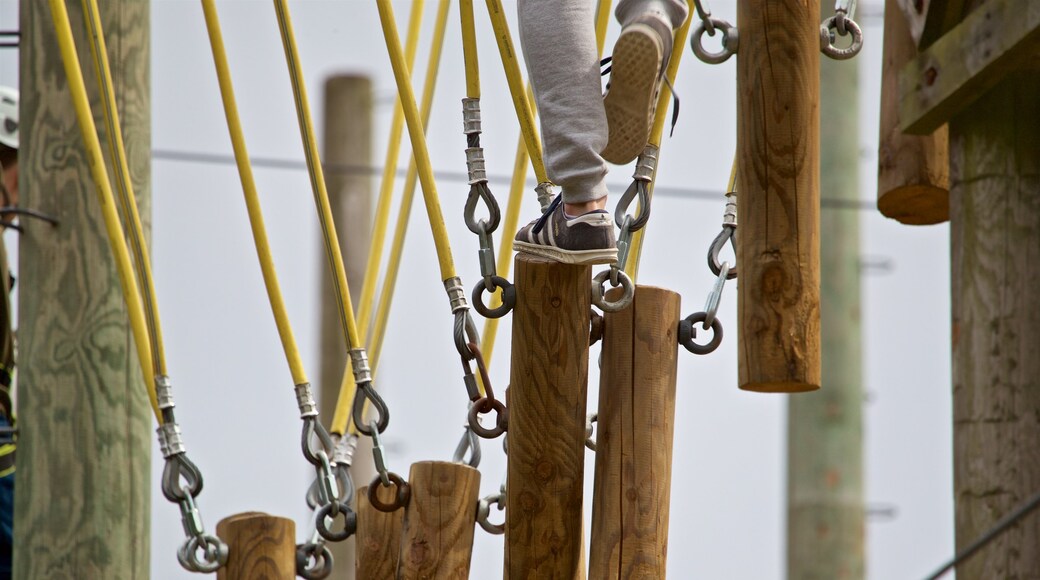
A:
[646,164]
[545,193]
[475,165]
[471,116]
[343,451]
[305,401]
[164,392]
[359,363]
[729,219]
[170,442]
[456,294]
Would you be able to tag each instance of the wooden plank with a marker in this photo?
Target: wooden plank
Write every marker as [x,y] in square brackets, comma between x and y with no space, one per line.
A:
[995,277]
[778,250]
[437,540]
[825,511]
[259,546]
[913,170]
[995,39]
[547,419]
[634,439]
[84,449]
[378,536]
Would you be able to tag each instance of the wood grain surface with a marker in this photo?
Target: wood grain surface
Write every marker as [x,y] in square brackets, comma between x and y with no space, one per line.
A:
[378,537]
[84,448]
[260,547]
[634,439]
[437,540]
[778,249]
[547,420]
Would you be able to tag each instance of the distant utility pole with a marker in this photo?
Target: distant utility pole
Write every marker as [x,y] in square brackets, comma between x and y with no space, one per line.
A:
[825,508]
[348,142]
[86,430]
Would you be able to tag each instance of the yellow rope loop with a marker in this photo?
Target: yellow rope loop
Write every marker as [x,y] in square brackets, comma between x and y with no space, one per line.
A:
[113,227]
[344,403]
[252,199]
[124,185]
[317,177]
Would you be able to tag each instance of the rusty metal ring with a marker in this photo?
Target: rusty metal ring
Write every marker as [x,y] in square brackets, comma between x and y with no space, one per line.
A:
[687,333]
[486,405]
[327,513]
[401,497]
[508,299]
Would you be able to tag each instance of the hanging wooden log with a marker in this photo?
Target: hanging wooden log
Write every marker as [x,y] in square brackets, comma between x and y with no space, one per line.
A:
[259,546]
[634,438]
[547,420]
[378,536]
[778,250]
[437,540]
[913,170]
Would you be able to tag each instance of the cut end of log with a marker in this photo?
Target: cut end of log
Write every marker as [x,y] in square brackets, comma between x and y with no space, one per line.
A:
[780,387]
[916,205]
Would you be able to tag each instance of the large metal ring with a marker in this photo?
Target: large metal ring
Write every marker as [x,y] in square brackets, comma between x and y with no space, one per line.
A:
[325,515]
[486,405]
[508,297]
[599,297]
[484,510]
[687,334]
[214,554]
[827,38]
[313,561]
[401,497]
[730,41]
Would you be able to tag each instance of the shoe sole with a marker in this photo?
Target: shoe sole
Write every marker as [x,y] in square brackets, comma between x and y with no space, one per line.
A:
[580,257]
[631,99]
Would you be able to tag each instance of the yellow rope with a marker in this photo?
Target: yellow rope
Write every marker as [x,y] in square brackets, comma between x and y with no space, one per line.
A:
[657,131]
[121,171]
[524,111]
[417,136]
[317,177]
[469,49]
[113,228]
[386,190]
[342,417]
[256,216]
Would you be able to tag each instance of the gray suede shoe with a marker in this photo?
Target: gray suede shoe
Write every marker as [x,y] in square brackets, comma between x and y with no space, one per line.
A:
[636,73]
[586,239]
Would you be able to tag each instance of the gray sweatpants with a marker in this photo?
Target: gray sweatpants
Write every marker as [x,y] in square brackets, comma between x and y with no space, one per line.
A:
[558,38]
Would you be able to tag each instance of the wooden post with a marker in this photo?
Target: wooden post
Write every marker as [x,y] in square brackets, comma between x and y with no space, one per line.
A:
[84,448]
[778,310]
[547,419]
[825,513]
[378,537]
[259,546]
[995,238]
[634,438]
[347,143]
[437,541]
[913,170]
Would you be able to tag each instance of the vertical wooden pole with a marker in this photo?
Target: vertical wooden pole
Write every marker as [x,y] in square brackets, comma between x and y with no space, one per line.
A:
[778,122]
[378,537]
[437,541]
[547,419]
[995,238]
[84,449]
[348,143]
[630,500]
[259,546]
[913,170]
[825,515]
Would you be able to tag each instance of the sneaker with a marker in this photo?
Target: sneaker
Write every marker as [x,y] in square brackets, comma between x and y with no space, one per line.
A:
[637,71]
[586,239]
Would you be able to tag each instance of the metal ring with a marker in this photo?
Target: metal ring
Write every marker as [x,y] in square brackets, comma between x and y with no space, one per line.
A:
[730,41]
[508,297]
[358,412]
[599,294]
[728,234]
[313,561]
[486,405]
[214,554]
[484,510]
[827,46]
[687,334]
[401,497]
[325,514]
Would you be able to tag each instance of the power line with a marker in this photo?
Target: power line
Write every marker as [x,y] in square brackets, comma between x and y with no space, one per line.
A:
[715,195]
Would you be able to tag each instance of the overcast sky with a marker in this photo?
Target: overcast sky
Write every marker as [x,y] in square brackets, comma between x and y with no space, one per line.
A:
[233,388]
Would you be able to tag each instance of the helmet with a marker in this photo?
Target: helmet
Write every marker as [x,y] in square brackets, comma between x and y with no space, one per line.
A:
[9,117]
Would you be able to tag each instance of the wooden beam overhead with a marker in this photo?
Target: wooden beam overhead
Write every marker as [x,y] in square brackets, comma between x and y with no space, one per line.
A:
[942,81]
[940,17]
